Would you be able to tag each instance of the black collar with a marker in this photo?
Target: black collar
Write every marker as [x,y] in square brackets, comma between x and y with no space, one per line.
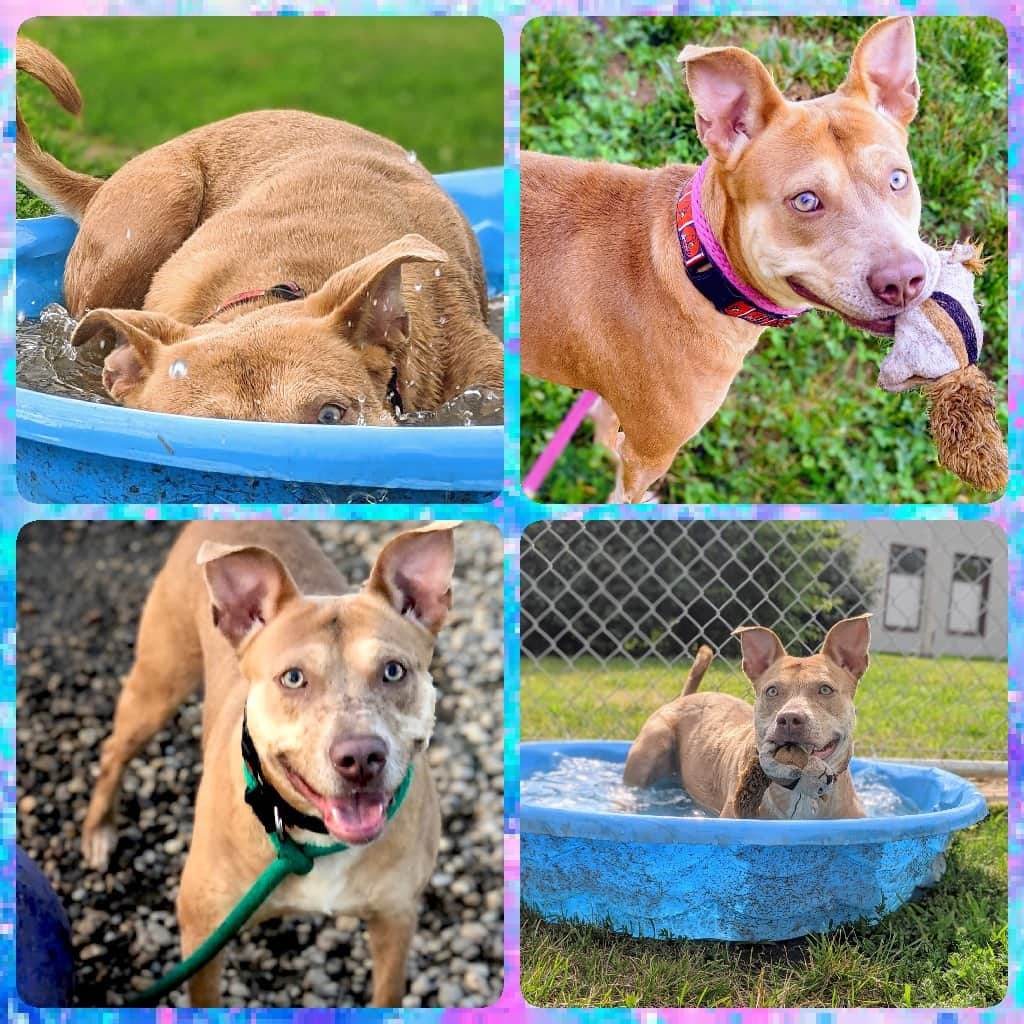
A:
[274,812]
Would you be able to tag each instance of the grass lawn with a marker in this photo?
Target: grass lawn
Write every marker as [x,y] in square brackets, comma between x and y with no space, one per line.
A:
[434,85]
[948,948]
[909,707]
[804,420]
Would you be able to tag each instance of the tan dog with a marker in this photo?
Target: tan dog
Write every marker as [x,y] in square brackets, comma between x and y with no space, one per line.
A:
[711,740]
[199,243]
[808,203]
[336,694]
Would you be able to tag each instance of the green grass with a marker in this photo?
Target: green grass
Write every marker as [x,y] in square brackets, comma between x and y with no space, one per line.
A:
[804,421]
[909,707]
[948,948]
[434,85]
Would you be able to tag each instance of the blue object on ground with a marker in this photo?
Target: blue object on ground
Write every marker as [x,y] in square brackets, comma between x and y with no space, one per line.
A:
[45,963]
[747,881]
[69,450]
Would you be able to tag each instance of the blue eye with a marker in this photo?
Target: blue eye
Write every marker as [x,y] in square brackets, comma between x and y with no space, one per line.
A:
[805,202]
[825,690]
[771,691]
[330,414]
[394,672]
[898,180]
[293,679]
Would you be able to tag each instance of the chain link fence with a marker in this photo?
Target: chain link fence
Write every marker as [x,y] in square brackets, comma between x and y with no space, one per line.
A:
[612,613]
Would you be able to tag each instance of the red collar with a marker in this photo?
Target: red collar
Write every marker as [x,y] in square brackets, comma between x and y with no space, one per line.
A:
[289,291]
[709,269]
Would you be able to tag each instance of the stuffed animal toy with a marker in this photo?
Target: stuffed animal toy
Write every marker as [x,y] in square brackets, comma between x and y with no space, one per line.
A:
[935,347]
[811,777]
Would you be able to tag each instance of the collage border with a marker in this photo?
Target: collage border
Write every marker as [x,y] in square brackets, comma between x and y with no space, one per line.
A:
[511,512]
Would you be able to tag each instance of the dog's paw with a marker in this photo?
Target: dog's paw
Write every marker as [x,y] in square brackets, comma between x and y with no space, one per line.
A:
[97,845]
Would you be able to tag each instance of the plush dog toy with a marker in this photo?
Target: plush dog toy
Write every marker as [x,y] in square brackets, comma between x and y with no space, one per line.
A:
[813,781]
[936,348]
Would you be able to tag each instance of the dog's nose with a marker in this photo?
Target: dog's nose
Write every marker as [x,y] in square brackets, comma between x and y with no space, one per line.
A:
[898,280]
[359,759]
[789,725]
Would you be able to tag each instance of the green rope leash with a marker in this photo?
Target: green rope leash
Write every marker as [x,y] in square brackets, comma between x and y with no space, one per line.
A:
[292,859]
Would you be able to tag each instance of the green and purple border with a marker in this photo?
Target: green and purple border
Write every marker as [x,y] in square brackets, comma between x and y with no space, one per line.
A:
[511,512]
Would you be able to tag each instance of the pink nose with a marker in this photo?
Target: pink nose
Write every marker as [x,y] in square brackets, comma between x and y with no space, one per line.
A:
[898,280]
[359,759]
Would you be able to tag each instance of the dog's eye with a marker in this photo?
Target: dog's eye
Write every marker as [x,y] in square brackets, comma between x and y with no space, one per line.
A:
[898,180]
[293,679]
[394,672]
[825,689]
[771,691]
[806,202]
[330,414]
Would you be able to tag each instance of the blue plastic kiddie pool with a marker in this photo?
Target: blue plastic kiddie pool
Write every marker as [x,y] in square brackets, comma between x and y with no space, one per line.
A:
[75,451]
[749,881]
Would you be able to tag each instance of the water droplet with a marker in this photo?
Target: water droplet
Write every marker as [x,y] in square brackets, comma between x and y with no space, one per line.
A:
[417,287]
[375,302]
[437,272]
[411,156]
[442,321]
[178,369]
[21,316]
[128,234]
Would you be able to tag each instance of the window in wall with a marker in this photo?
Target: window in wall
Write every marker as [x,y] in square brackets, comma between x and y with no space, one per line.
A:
[968,595]
[904,588]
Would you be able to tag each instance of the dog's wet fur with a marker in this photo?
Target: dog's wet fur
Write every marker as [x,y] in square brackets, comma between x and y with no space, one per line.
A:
[710,741]
[395,292]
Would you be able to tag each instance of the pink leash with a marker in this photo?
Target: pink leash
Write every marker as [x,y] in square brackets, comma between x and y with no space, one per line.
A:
[533,480]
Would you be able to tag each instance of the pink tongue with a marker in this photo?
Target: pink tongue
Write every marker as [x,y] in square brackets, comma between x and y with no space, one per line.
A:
[355,819]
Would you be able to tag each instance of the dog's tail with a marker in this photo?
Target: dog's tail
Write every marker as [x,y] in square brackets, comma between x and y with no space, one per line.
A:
[65,190]
[697,670]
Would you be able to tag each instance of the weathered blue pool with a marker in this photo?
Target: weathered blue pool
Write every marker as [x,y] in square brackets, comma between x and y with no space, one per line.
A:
[659,875]
[74,451]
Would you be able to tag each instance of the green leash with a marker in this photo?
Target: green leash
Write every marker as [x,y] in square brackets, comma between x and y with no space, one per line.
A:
[292,859]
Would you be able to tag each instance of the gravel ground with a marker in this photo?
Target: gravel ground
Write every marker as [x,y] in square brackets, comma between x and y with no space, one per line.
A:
[81,587]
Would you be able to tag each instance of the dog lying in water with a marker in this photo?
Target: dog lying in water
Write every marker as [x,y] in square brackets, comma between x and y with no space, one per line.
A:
[274,266]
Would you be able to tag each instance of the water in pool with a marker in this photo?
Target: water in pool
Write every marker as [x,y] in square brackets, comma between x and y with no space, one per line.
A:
[46,362]
[591,784]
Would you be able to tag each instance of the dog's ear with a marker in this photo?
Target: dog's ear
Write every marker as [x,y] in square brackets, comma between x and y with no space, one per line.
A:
[846,644]
[363,302]
[414,573]
[248,586]
[139,337]
[761,649]
[883,70]
[733,94]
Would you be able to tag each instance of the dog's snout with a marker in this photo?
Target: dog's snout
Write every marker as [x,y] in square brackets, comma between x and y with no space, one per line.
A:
[789,725]
[359,759]
[898,280]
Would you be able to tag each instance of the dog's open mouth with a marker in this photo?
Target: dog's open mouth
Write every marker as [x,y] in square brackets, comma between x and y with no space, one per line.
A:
[884,326]
[827,750]
[359,817]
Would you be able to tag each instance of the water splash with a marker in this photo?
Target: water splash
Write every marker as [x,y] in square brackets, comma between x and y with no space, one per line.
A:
[411,156]
[591,784]
[178,370]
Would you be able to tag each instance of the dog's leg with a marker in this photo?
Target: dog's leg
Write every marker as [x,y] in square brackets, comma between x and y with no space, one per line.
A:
[641,469]
[168,667]
[133,224]
[200,910]
[390,938]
